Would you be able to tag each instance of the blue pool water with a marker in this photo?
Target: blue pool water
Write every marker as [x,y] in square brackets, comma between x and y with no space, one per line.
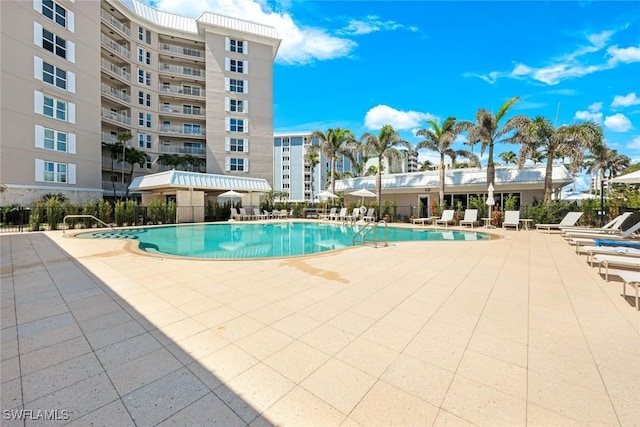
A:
[263,240]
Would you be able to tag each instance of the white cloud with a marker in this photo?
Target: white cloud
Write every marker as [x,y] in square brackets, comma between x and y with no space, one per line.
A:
[626,100]
[370,24]
[634,144]
[593,113]
[627,55]
[300,45]
[381,115]
[617,123]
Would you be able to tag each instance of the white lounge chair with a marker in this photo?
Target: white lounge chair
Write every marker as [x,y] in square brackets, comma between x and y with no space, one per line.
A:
[470,217]
[331,214]
[607,250]
[370,216]
[446,218]
[624,261]
[424,220]
[342,216]
[569,220]
[244,214]
[235,215]
[257,214]
[630,278]
[589,239]
[355,214]
[511,219]
[612,227]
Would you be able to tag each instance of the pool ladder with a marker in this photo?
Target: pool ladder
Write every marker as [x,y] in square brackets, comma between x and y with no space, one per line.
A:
[368,227]
[64,221]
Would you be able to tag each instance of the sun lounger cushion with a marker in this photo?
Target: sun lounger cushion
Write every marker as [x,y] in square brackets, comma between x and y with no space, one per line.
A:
[624,243]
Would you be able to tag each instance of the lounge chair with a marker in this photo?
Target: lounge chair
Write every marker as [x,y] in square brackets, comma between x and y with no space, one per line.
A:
[631,278]
[258,215]
[235,215]
[624,261]
[612,227]
[424,220]
[244,214]
[590,239]
[470,217]
[283,213]
[370,216]
[607,250]
[511,219]
[342,216]
[569,220]
[446,218]
[355,214]
[331,214]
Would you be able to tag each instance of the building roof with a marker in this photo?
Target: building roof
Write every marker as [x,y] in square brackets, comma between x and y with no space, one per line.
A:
[507,177]
[174,179]
[193,26]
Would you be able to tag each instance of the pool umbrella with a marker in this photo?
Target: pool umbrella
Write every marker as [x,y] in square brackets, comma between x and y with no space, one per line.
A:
[630,178]
[230,194]
[363,192]
[490,200]
[326,195]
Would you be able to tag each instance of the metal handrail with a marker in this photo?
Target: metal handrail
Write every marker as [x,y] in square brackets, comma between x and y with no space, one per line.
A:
[368,227]
[64,221]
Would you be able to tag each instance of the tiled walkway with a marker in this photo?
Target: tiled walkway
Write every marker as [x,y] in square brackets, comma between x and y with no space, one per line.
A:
[514,331]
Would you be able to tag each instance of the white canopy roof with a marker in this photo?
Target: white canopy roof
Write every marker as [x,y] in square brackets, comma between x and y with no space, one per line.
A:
[174,179]
[474,179]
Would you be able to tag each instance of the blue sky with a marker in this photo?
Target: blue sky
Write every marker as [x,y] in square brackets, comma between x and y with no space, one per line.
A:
[362,64]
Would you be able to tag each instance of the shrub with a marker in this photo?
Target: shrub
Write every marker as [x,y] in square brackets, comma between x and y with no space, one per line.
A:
[35,219]
[88,208]
[130,212]
[104,211]
[53,207]
[155,211]
[510,203]
[119,213]
[71,208]
[171,212]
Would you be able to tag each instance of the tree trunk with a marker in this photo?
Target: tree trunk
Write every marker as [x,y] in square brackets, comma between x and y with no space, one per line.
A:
[333,174]
[547,178]
[113,183]
[491,168]
[441,190]
[379,187]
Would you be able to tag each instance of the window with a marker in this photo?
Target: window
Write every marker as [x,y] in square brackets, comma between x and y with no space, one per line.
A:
[140,33]
[55,172]
[190,129]
[236,125]
[140,76]
[51,139]
[140,119]
[65,80]
[236,85]
[236,66]
[147,58]
[54,44]
[147,78]
[55,12]
[144,56]
[148,120]
[236,106]
[144,140]
[148,163]
[51,107]
[236,144]
[191,109]
[144,98]
[190,90]
[238,165]
[147,37]
[237,46]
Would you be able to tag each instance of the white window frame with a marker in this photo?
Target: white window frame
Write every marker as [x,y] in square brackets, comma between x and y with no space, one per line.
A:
[69,108]
[39,38]
[230,143]
[232,124]
[39,73]
[41,137]
[239,163]
[231,45]
[41,172]
[236,66]
[69,19]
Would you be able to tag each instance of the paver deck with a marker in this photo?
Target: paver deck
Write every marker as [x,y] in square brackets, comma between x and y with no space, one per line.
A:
[514,331]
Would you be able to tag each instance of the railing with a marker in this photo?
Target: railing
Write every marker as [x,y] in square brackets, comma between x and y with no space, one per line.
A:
[118,117]
[116,70]
[181,109]
[180,50]
[367,228]
[170,149]
[179,130]
[192,91]
[109,138]
[178,69]
[111,44]
[116,93]
[115,23]
[64,220]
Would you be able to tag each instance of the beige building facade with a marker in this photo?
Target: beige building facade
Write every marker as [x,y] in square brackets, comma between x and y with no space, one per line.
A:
[80,77]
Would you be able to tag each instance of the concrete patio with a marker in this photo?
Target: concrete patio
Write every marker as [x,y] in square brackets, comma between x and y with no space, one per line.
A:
[514,331]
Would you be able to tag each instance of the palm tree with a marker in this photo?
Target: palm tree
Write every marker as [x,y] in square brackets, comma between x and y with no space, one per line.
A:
[312,158]
[440,140]
[190,161]
[115,150]
[487,132]
[383,145]
[333,144]
[509,157]
[133,156]
[171,160]
[426,165]
[567,141]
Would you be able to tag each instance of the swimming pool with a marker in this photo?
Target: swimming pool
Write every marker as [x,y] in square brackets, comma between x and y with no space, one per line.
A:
[263,240]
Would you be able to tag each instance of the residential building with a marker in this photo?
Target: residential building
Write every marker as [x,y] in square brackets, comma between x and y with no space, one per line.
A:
[102,72]
[292,173]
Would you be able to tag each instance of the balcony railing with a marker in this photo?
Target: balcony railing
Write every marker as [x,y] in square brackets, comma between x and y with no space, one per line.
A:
[181,130]
[120,186]
[111,44]
[180,50]
[116,93]
[109,138]
[116,70]
[200,168]
[181,109]
[114,22]
[191,91]
[172,149]
[178,69]
[118,117]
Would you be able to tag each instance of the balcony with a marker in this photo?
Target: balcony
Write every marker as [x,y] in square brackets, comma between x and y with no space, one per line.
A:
[181,90]
[200,168]
[109,138]
[111,44]
[181,130]
[113,68]
[178,69]
[107,186]
[111,20]
[180,50]
[182,109]
[172,149]
[118,117]
[116,93]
